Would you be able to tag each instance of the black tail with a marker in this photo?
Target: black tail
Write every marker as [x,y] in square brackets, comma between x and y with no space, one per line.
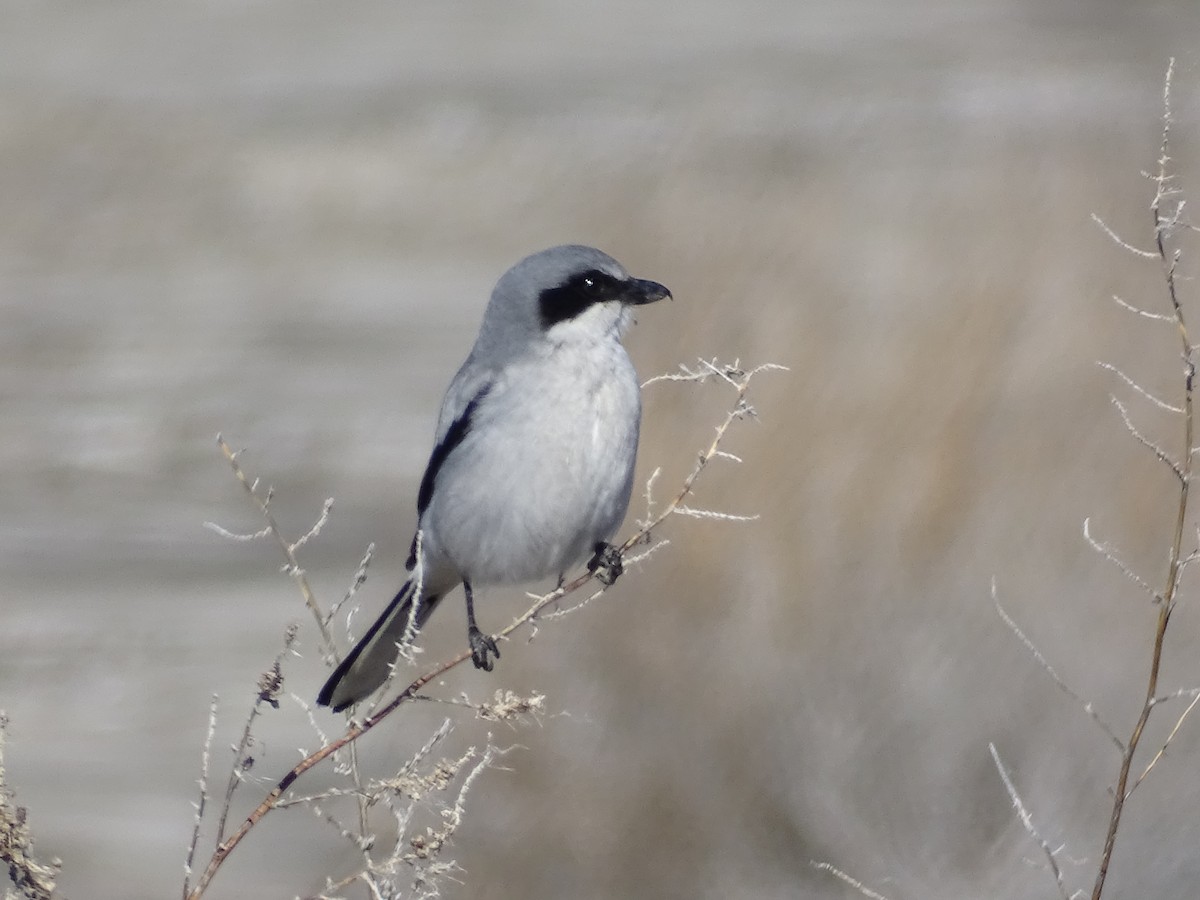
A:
[367,666]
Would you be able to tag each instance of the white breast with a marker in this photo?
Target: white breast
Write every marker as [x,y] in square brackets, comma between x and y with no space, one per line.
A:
[546,470]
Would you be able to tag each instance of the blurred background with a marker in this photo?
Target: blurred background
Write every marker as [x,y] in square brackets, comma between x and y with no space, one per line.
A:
[281,221]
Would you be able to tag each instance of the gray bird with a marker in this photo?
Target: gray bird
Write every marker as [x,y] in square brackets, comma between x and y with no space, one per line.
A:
[532,464]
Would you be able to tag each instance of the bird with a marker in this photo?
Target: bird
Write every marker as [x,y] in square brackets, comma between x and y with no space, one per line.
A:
[533,456]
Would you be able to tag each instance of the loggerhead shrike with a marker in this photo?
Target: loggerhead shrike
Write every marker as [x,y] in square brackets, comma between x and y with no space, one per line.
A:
[532,463]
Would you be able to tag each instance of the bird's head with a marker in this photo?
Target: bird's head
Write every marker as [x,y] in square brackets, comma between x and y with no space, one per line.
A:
[568,293]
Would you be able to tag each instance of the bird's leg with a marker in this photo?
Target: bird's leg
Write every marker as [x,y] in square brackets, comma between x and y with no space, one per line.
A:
[606,563]
[481,644]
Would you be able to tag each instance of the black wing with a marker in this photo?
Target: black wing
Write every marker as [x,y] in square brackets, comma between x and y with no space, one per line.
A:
[454,436]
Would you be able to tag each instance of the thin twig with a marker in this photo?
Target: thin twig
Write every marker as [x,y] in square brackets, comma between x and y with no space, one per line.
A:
[269,686]
[360,577]
[1162,224]
[848,879]
[1085,705]
[434,839]
[740,409]
[1161,404]
[1120,241]
[236,536]
[1107,552]
[33,879]
[1158,451]
[1144,313]
[1176,695]
[712,514]
[317,526]
[406,649]
[203,800]
[1027,822]
[1170,737]
[289,549]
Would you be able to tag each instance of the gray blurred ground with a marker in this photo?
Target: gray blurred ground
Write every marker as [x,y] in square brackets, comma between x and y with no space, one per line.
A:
[281,221]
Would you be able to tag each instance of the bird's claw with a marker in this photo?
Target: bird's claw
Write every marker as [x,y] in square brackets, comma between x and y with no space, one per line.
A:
[481,646]
[606,564]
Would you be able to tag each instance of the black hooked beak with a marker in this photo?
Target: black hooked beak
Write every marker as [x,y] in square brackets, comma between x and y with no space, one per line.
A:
[639,292]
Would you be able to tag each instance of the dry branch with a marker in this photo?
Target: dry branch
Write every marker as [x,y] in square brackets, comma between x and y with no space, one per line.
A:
[731,374]
[847,879]
[34,879]
[1166,222]
[1027,822]
[1086,705]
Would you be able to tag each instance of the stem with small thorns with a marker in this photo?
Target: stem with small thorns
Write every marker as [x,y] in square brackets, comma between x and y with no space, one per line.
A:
[733,375]
[289,549]
[1167,604]
[203,801]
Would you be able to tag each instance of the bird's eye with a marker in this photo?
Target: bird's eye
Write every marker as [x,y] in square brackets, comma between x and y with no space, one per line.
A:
[594,285]
[579,291]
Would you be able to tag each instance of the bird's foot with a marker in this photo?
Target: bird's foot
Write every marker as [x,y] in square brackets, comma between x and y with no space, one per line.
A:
[606,564]
[481,646]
